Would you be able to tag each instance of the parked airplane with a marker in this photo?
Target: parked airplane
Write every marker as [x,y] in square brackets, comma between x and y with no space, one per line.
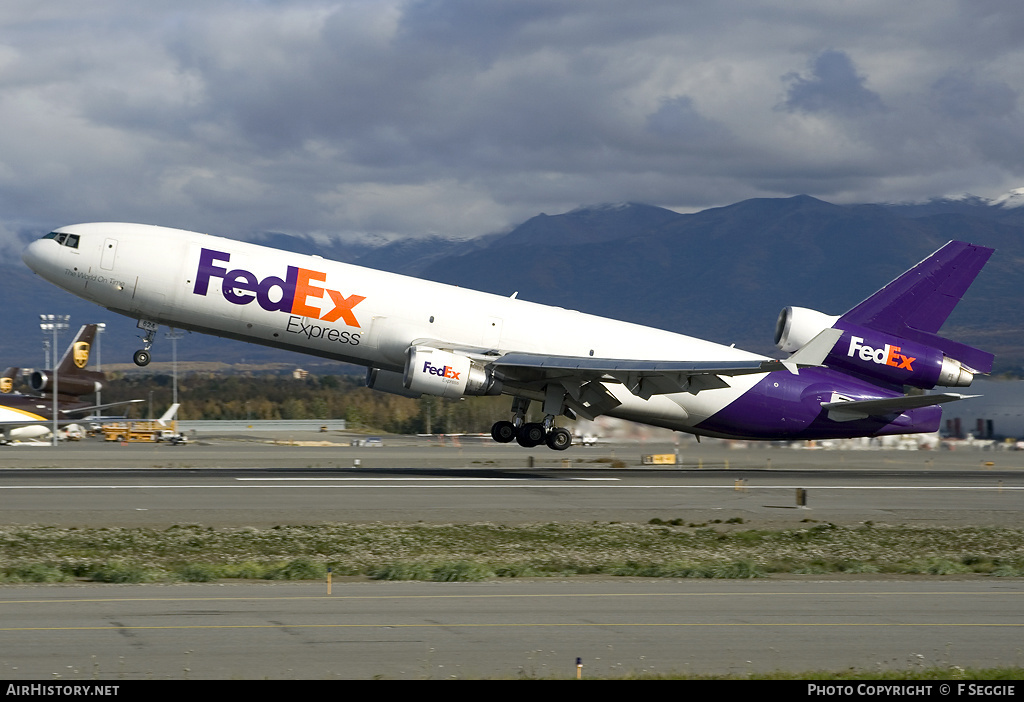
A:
[845,377]
[29,416]
[74,380]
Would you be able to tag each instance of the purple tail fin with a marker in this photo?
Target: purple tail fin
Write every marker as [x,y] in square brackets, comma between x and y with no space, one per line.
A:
[915,305]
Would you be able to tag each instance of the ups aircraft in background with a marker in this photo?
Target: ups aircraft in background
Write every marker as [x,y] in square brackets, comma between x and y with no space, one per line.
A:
[846,375]
[24,417]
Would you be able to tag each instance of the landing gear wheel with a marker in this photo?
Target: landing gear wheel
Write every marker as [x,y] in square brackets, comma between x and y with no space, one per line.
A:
[503,432]
[530,435]
[141,357]
[559,439]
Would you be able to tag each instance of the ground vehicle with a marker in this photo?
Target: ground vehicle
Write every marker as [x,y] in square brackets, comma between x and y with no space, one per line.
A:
[163,429]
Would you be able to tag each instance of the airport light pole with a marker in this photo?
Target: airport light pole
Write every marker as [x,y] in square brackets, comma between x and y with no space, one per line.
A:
[54,323]
[174,335]
[100,328]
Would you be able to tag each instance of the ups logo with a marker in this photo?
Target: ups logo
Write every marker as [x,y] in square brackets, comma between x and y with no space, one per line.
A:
[81,354]
[6,384]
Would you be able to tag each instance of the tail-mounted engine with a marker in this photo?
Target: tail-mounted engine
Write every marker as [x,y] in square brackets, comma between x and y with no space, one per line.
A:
[872,354]
[81,383]
[430,371]
[798,325]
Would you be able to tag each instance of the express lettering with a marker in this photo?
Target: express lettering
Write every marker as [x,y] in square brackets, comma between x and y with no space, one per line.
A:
[443,371]
[888,355]
[290,294]
[297,325]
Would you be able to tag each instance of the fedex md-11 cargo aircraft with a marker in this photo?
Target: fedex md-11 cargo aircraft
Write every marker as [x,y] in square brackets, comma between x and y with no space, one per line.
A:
[845,377]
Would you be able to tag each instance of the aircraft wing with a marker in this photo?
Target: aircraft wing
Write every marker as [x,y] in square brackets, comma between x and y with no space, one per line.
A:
[64,415]
[847,410]
[583,375]
[80,410]
[30,422]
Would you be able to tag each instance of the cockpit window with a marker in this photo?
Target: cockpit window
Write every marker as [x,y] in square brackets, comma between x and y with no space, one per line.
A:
[64,239]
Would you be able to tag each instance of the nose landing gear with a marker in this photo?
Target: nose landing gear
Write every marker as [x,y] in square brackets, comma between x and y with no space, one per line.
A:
[142,356]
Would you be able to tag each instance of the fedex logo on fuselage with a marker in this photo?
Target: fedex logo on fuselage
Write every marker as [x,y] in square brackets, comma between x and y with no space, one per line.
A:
[291,294]
[443,371]
[888,355]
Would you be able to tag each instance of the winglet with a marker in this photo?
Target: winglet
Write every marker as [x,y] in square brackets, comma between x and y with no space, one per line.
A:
[168,415]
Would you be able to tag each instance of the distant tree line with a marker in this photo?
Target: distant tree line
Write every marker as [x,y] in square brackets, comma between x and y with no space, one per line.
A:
[218,396]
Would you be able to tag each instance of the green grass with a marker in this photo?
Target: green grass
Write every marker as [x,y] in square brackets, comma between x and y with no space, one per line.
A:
[672,549]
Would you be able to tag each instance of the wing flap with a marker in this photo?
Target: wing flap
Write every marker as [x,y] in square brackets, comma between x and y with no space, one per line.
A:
[646,378]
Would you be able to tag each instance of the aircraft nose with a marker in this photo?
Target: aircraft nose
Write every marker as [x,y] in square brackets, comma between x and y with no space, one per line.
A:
[33,255]
[43,257]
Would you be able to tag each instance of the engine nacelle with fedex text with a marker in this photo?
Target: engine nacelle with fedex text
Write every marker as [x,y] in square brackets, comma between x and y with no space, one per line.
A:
[844,376]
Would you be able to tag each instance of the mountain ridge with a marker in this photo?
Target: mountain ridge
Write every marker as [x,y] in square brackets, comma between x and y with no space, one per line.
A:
[722,273]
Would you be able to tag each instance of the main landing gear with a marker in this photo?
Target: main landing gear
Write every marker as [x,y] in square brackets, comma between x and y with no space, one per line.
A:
[530,434]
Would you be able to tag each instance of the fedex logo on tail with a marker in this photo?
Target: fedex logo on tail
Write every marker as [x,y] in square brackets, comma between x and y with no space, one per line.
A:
[291,294]
[443,371]
[888,355]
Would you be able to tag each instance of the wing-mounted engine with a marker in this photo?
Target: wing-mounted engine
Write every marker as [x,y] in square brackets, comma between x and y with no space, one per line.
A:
[431,371]
[873,354]
[389,381]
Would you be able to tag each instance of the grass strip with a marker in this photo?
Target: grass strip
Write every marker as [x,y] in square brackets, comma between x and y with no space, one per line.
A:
[466,552]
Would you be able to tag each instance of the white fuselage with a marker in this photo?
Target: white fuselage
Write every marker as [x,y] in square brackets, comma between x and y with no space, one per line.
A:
[352,314]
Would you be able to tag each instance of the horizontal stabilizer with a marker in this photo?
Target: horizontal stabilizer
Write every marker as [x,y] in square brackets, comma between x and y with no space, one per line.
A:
[848,410]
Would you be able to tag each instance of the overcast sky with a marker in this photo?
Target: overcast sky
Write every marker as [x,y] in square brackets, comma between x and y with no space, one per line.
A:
[461,117]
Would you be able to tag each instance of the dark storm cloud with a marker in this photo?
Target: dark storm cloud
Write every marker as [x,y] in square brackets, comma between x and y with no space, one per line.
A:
[405,117]
[964,95]
[833,86]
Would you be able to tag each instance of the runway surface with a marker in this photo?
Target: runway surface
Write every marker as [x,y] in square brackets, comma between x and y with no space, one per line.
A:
[505,629]
[229,482]
[534,627]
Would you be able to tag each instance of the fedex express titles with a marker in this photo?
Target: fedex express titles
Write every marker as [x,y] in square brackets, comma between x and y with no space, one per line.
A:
[888,356]
[297,290]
